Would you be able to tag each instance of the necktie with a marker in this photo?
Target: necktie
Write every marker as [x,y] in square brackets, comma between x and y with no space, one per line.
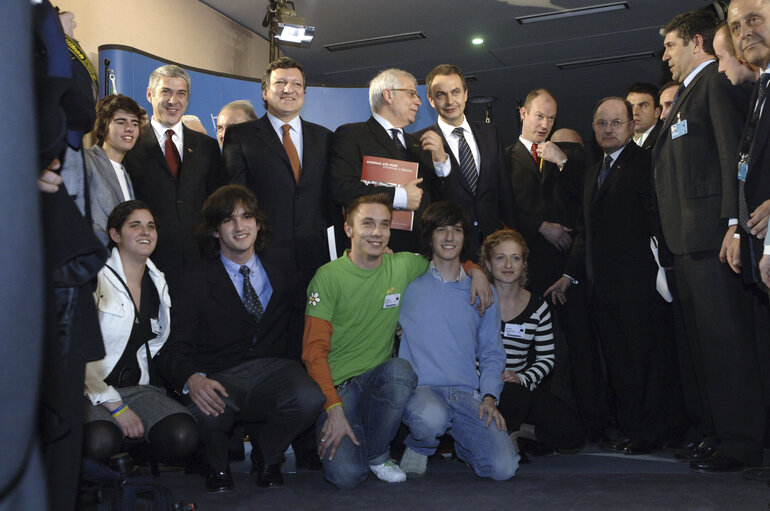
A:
[745,148]
[398,143]
[172,154]
[534,155]
[467,164]
[605,169]
[291,151]
[250,298]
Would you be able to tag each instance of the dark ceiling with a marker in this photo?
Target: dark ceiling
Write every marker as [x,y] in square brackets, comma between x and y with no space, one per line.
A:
[514,58]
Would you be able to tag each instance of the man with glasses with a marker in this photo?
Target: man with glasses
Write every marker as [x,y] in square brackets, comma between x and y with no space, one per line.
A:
[612,254]
[394,101]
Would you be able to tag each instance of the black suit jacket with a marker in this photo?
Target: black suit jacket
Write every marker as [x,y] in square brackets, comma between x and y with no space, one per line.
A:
[552,196]
[211,329]
[493,206]
[756,189]
[175,203]
[695,174]
[298,214]
[350,143]
[612,248]
[649,142]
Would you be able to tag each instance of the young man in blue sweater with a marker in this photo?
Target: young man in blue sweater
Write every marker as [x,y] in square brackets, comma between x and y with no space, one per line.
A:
[443,336]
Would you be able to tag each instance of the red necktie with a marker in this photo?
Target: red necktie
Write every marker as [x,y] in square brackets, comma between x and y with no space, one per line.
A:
[534,154]
[291,151]
[172,154]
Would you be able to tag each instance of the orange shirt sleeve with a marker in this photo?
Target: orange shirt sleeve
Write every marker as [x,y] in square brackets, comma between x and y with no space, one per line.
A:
[469,265]
[316,342]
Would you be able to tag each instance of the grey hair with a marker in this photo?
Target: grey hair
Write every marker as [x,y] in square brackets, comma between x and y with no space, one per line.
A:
[169,71]
[245,106]
[387,79]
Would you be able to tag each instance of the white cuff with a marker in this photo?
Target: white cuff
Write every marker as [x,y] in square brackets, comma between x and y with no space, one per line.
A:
[400,198]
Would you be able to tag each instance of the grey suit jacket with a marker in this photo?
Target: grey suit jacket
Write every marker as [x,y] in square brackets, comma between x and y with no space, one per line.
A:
[103,189]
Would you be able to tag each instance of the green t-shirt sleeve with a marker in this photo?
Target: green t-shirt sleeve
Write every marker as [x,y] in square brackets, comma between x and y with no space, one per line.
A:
[321,296]
[415,264]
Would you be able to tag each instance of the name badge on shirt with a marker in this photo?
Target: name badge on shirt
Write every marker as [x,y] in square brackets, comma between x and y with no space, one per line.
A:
[743,167]
[514,331]
[391,301]
[157,329]
[679,129]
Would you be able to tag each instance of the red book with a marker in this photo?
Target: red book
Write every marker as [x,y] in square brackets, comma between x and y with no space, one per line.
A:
[389,172]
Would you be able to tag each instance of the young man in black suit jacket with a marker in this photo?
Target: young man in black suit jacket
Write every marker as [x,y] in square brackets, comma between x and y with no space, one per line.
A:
[482,183]
[228,351]
[695,165]
[394,101]
[643,98]
[176,194]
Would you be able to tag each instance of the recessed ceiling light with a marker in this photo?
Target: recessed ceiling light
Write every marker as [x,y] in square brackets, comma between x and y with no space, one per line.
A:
[477,41]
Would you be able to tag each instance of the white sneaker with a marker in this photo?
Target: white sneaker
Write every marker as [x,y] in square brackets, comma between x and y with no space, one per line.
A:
[414,463]
[388,472]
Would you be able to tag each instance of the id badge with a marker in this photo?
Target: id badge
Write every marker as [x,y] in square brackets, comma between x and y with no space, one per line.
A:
[157,329]
[391,301]
[514,331]
[679,129]
[743,167]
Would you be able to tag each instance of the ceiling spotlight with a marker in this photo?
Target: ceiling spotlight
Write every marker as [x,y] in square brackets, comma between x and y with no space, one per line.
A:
[477,41]
[285,26]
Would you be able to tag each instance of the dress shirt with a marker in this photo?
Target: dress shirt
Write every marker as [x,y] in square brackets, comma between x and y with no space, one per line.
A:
[295,132]
[437,274]
[257,276]
[639,141]
[160,134]
[454,141]
[120,173]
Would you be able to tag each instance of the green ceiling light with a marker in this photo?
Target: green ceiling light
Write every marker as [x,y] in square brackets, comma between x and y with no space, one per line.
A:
[477,41]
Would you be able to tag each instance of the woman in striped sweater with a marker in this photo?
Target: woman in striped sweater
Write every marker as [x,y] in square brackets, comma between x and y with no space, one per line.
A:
[527,336]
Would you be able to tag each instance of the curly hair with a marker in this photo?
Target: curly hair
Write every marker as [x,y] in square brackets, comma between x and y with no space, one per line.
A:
[496,238]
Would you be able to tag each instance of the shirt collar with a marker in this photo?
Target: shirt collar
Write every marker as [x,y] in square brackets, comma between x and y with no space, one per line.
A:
[615,155]
[447,129]
[528,143]
[695,72]
[295,123]
[235,268]
[385,123]
[437,274]
[160,129]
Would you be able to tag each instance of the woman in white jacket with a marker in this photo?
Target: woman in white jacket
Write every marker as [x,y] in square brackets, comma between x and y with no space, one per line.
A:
[133,305]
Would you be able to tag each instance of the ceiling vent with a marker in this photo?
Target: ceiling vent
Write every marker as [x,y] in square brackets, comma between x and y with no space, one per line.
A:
[374,41]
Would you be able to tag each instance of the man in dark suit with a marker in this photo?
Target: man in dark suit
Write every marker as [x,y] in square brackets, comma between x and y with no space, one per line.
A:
[228,351]
[235,112]
[173,170]
[479,179]
[694,168]
[548,186]
[612,252]
[644,101]
[394,101]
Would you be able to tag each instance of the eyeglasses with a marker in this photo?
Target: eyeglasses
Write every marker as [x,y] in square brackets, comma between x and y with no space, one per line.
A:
[617,123]
[412,93]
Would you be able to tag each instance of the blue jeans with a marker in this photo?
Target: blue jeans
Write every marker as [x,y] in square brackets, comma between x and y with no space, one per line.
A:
[435,410]
[374,402]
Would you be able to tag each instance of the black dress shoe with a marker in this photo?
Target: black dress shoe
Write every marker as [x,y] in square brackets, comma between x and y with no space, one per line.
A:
[270,476]
[218,481]
[699,452]
[717,462]
[637,447]
[616,444]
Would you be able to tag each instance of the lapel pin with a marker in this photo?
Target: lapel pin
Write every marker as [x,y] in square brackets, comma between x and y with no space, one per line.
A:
[189,149]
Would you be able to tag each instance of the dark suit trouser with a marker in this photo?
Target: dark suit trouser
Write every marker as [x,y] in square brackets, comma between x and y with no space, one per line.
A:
[718,316]
[275,393]
[632,342]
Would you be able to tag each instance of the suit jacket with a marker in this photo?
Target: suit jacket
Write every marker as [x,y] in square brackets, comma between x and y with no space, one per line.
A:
[104,190]
[493,205]
[649,142]
[756,189]
[695,174]
[552,196]
[612,248]
[350,143]
[211,329]
[298,214]
[175,203]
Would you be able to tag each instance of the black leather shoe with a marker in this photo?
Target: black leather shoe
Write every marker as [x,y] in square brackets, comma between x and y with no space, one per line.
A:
[717,462]
[218,481]
[616,444]
[270,476]
[699,452]
[637,447]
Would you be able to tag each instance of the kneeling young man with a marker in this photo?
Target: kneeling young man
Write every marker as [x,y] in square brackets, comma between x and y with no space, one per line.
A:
[351,317]
[443,337]
[228,350]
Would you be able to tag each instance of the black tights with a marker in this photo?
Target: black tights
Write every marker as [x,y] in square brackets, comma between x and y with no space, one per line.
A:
[172,439]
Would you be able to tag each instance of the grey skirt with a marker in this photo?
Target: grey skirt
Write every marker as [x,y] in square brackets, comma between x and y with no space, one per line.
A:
[151,404]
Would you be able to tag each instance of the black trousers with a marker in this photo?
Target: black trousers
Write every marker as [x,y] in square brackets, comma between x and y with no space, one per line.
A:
[275,393]
[718,315]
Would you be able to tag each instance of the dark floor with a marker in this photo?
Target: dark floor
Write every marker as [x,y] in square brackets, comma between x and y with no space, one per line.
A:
[591,479]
